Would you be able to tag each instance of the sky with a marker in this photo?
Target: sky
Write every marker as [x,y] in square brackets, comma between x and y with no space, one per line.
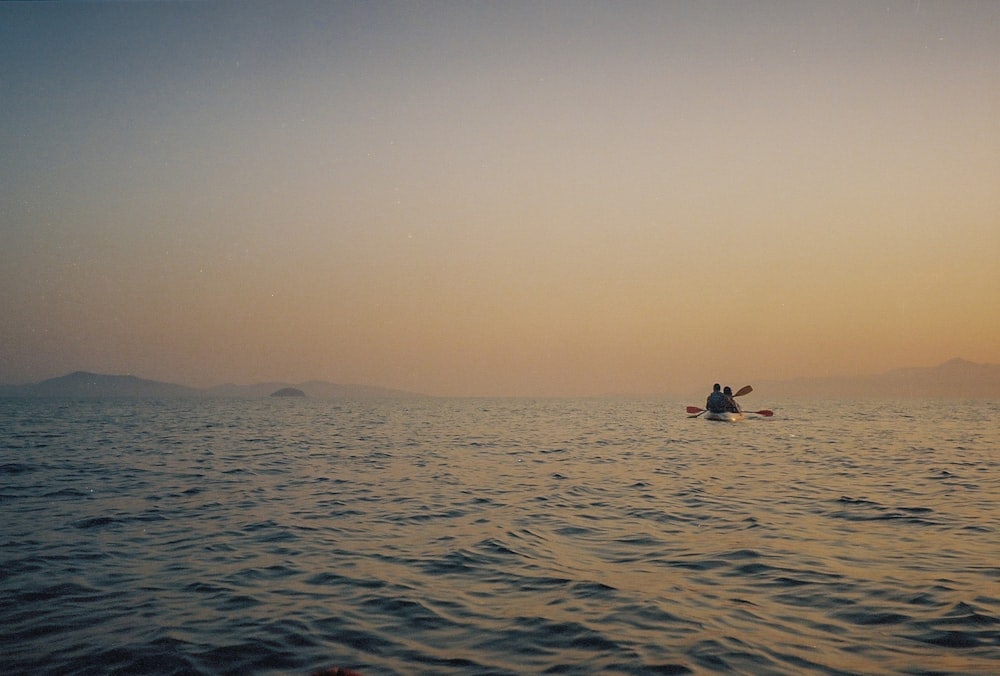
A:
[498,198]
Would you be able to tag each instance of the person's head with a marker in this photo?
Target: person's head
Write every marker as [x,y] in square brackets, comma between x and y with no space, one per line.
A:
[727,390]
[716,387]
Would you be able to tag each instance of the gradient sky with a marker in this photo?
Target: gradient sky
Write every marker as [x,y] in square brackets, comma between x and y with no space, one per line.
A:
[500,198]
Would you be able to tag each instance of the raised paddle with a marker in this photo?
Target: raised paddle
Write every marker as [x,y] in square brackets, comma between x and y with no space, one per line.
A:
[746,389]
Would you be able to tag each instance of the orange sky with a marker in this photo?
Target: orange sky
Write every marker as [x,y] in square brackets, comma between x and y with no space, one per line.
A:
[557,198]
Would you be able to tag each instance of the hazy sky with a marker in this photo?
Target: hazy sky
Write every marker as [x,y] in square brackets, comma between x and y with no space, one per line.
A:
[498,198]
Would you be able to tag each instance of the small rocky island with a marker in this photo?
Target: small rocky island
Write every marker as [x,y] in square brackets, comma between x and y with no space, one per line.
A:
[288,392]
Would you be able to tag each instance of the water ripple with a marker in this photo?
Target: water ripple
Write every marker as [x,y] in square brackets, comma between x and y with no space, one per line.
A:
[495,537]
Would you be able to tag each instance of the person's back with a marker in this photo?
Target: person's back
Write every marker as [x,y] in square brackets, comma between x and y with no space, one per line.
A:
[716,402]
[729,400]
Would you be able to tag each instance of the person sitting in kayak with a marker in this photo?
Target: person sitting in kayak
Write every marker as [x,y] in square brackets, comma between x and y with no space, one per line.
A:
[716,402]
[730,401]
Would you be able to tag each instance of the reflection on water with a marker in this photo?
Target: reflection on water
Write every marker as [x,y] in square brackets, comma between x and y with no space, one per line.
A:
[497,537]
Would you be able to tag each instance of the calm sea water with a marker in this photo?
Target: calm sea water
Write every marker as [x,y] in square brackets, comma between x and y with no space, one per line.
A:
[497,537]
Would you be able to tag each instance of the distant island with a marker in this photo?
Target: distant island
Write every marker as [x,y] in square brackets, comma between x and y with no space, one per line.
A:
[954,379]
[85,385]
[288,392]
[82,384]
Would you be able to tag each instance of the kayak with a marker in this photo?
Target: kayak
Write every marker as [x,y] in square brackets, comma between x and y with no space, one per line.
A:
[726,416]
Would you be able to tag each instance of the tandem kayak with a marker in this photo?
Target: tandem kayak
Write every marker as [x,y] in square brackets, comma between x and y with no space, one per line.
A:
[726,416]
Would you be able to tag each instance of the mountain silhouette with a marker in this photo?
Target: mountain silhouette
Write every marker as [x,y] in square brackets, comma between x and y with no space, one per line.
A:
[82,384]
[954,379]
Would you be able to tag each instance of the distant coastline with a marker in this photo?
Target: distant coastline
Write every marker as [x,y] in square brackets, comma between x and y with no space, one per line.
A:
[83,384]
[954,379]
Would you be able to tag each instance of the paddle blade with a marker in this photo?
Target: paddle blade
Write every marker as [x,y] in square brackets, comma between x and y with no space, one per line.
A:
[766,413]
[694,409]
[746,389]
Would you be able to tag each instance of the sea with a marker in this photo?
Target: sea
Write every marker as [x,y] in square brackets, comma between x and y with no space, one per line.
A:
[498,536]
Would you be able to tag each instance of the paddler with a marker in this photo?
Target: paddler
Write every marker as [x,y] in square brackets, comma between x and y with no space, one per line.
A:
[730,401]
[716,402]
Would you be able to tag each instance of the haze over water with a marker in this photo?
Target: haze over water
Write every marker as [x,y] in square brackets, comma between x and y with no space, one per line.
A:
[507,198]
[497,536]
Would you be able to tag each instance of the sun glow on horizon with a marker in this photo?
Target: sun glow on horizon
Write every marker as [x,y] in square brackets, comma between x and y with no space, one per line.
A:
[499,200]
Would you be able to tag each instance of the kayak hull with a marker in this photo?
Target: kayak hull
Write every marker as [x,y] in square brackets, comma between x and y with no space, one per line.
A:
[727,416]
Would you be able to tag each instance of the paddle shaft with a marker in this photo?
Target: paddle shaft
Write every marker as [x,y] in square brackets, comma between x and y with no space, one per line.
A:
[763,412]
